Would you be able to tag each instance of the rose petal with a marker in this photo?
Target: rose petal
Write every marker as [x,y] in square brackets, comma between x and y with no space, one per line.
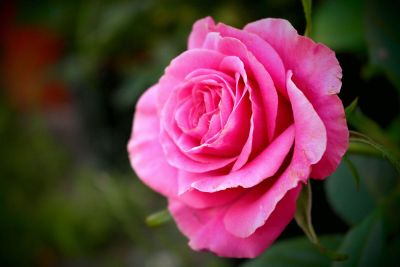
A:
[234,133]
[314,64]
[229,140]
[338,137]
[232,46]
[195,163]
[310,130]
[145,153]
[257,206]
[181,116]
[247,148]
[261,50]
[242,219]
[263,112]
[263,166]
[206,230]
[201,200]
[183,65]
[206,76]
[285,114]
[317,72]
[310,142]
[199,32]
[170,134]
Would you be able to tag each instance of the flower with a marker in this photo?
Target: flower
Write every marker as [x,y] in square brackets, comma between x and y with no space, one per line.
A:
[234,127]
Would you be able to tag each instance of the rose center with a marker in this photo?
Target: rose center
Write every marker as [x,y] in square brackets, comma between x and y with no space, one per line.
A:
[205,101]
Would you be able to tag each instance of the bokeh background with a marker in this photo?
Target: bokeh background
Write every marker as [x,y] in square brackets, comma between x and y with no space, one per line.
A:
[71,73]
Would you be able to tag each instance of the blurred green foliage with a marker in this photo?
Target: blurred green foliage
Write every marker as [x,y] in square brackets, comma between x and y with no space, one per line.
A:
[296,252]
[67,194]
[52,214]
[364,243]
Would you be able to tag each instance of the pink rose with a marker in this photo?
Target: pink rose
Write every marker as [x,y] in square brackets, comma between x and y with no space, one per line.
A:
[234,127]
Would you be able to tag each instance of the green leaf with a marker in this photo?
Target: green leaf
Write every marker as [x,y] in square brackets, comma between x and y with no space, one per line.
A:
[339,24]
[364,243]
[353,170]
[307,6]
[303,219]
[158,218]
[350,203]
[296,252]
[366,125]
[391,257]
[362,149]
[303,213]
[394,130]
[383,37]
[350,108]
[390,207]
[386,153]
[377,179]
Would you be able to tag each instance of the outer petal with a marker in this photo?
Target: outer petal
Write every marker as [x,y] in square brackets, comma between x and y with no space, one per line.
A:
[206,231]
[145,152]
[338,138]
[255,207]
[314,64]
[199,32]
[261,50]
[310,130]
[317,73]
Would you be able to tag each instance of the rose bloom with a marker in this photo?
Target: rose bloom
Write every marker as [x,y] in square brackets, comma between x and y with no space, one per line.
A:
[234,128]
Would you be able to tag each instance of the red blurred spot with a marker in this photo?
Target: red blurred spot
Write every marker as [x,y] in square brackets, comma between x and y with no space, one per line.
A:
[29,54]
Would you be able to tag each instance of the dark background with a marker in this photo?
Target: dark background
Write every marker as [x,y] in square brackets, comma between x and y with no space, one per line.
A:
[71,73]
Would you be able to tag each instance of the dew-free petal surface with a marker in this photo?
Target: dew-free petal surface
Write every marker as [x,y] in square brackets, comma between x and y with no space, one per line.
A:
[145,152]
[317,73]
[206,230]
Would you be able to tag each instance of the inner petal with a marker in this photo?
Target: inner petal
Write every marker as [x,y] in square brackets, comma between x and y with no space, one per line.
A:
[206,120]
[181,117]
[208,111]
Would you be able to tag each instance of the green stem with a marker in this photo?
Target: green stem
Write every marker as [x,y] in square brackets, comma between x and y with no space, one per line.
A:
[158,218]
[307,4]
[391,156]
[353,170]
[363,149]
